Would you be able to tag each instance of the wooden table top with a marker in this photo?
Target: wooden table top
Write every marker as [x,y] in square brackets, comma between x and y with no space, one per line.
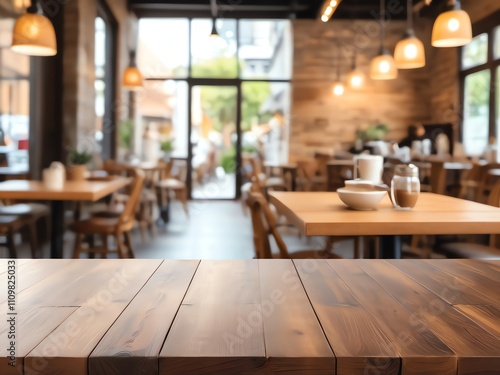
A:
[324,214]
[313,316]
[72,190]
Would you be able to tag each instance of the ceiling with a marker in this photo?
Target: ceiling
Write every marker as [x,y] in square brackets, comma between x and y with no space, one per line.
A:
[302,9]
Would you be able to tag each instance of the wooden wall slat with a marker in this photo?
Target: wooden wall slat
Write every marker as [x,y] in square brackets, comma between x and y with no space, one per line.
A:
[32,327]
[295,342]
[359,344]
[102,297]
[419,348]
[133,342]
[218,328]
[476,349]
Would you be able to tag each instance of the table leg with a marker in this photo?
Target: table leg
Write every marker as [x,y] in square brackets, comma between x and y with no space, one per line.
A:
[390,247]
[293,175]
[56,243]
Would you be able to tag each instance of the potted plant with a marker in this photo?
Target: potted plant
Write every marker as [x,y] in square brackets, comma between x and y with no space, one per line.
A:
[77,164]
[167,146]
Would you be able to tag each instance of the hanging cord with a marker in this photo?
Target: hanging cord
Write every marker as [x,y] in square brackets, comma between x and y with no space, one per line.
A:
[382,26]
[410,15]
[213,8]
[33,8]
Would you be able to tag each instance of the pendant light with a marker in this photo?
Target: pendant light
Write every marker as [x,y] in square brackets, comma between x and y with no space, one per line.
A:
[409,52]
[338,87]
[215,39]
[383,67]
[34,34]
[355,78]
[132,77]
[452,28]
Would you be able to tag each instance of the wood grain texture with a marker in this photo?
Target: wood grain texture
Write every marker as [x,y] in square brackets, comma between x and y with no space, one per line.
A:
[295,342]
[101,298]
[487,317]
[20,262]
[32,327]
[72,190]
[133,342]
[323,214]
[486,268]
[477,350]
[452,289]
[219,328]
[358,342]
[419,348]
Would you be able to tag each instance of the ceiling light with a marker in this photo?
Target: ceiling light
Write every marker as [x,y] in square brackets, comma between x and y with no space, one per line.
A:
[338,89]
[132,77]
[355,78]
[328,8]
[452,28]
[383,66]
[409,52]
[34,34]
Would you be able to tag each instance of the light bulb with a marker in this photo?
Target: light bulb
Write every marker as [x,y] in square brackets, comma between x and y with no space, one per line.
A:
[338,89]
[355,79]
[384,67]
[410,51]
[328,10]
[333,3]
[453,24]
[324,18]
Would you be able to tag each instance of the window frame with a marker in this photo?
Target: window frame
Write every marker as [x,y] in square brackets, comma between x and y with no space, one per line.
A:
[486,25]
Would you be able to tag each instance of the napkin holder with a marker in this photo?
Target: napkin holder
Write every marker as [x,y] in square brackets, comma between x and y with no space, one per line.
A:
[54,176]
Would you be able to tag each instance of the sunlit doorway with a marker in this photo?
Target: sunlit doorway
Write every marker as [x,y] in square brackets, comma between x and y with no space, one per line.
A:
[214,141]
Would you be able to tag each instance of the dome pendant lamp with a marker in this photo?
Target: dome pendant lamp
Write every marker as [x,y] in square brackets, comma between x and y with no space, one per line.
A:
[409,52]
[34,34]
[452,28]
[383,66]
[132,77]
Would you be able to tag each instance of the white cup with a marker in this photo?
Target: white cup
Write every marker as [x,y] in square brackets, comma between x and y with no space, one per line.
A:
[369,167]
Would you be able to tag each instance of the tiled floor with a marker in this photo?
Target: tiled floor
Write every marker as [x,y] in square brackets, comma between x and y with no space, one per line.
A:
[214,230]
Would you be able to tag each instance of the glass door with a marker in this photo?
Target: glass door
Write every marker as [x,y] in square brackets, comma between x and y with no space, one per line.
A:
[214,137]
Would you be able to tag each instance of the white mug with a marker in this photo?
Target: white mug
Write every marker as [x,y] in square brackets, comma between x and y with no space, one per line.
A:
[369,167]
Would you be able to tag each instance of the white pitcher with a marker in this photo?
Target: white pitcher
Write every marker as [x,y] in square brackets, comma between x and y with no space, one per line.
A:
[54,176]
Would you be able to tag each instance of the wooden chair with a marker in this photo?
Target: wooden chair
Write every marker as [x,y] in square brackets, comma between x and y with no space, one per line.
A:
[264,224]
[118,227]
[264,182]
[169,184]
[486,182]
[476,250]
[9,225]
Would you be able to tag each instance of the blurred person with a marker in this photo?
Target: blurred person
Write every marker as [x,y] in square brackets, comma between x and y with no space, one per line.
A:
[416,132]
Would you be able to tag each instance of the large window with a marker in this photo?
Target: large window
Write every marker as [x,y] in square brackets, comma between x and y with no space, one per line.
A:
[232,89]
[14,100]
[480,67]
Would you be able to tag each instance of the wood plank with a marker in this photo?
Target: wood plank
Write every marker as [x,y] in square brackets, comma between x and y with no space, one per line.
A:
[488,269]
[452,289]
[295,342]
[359,344]
[32,327]
[31,273]
[487,317]
[133,342]
[4,262]
[477,350]
[219,328]
[483,286]
[102,297]
[421,351]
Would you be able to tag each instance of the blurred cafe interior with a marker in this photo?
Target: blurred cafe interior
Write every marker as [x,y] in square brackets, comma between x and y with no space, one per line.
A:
[180,129]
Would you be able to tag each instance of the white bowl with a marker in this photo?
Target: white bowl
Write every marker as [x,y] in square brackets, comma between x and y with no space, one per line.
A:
[361,200]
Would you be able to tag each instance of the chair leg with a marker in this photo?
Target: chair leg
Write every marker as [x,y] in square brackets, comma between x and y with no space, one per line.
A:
[33,239]
[11,245]
[78,245]
[183,196]
[120,246]
[128,244]
[104,240]
[357,246]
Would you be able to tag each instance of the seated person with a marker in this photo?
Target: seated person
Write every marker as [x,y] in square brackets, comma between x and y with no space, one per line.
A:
[415,133]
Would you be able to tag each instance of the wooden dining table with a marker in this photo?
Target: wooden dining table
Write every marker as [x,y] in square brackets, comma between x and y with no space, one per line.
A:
[324,214]
[71,191]
[310,316]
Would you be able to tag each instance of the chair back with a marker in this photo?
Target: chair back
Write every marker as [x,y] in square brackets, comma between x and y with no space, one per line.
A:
[264,224]
[438,177]
[485,181]
[165,168]
[128,213]
[494,200]
[112,167]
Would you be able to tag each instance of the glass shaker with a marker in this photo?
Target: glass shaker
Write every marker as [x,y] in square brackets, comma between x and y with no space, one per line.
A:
[405,186]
